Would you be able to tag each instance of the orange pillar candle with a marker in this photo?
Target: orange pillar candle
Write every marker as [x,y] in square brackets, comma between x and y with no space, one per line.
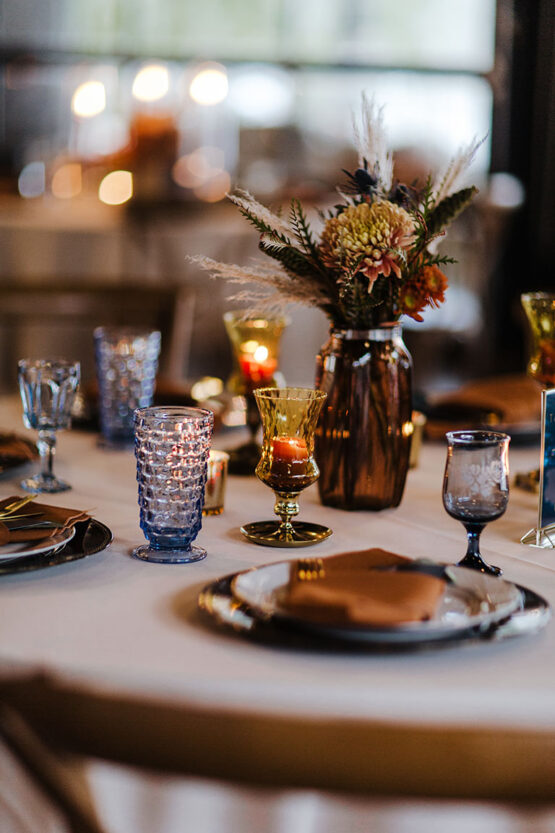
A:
[289,456]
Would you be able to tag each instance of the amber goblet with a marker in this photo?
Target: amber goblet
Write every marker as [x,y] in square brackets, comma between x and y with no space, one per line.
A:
[540,313]
[287,464]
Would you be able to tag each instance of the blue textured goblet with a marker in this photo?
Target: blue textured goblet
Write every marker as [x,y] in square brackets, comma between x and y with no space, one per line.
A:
[172,445]
[126,365]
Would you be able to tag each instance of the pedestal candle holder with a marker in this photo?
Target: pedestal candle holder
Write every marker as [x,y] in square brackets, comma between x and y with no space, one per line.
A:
[255,342]
[287,464]
[540,313]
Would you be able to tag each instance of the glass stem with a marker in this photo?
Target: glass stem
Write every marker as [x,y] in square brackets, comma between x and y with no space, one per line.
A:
[286,506]
[473,557]
[47,448]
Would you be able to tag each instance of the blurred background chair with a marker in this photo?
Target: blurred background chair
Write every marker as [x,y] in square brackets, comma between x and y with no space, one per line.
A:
[187,772]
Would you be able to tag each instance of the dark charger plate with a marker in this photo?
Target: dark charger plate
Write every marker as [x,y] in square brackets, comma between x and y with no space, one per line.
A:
[90,537]
[217,602]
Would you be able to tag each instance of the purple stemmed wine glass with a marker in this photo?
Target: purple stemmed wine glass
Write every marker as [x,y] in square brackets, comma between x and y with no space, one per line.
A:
[476,486]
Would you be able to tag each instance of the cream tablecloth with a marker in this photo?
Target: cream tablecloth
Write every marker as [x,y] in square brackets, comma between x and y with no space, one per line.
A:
[112,628]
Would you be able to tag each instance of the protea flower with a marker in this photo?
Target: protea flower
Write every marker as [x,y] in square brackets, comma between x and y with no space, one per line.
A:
[379,232]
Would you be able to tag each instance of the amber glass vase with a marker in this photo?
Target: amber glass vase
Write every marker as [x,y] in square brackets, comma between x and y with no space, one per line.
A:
[364,433]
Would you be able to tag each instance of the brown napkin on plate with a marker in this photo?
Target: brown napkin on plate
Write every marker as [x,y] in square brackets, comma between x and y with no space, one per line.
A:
[358,589]
[510,400]
[65,517]
[15,450]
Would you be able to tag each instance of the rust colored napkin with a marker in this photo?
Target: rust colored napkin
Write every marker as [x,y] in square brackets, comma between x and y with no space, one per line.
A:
[14,450]
[355,589]
[65,517]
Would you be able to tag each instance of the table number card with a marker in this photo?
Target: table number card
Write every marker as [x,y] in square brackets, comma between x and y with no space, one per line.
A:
[544,534]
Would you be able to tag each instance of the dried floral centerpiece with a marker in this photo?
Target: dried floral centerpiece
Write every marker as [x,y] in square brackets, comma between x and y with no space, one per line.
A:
[374,260]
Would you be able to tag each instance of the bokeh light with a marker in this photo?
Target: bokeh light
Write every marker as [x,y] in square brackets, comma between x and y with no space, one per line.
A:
[67,181]
[214,189]
[116,188]
[151,83]
[197,167]
[32,180]
[210,85]
[89,99]
[262,95]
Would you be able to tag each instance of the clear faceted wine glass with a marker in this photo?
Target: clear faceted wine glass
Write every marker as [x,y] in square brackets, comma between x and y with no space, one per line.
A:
[476,486]
[47,388]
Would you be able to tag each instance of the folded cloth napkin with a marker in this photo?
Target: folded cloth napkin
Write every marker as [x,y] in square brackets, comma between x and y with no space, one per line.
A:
[502,400]
[56,514]
[358,589]
[15,450]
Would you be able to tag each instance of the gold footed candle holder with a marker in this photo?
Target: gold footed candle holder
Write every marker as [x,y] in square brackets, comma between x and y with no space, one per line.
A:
[255,341]
[287,464]
[540,313]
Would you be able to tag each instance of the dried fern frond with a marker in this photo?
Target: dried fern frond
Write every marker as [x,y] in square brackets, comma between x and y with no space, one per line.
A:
[307,292]
[372,143]
[253,210]
[447,182]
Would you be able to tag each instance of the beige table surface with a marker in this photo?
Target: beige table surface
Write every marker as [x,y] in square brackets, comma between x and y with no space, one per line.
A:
[110,630]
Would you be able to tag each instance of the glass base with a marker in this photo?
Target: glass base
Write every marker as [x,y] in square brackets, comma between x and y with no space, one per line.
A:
[244,460]
[267,533]
[147,553]
[37,484]
[475,562]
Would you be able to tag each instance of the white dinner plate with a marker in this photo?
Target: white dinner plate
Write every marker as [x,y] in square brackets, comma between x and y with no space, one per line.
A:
[471,600]
[8,552]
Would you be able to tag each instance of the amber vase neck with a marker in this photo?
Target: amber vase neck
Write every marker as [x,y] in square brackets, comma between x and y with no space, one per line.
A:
[384,333]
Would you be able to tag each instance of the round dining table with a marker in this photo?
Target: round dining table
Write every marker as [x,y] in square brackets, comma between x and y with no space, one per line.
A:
[111,656]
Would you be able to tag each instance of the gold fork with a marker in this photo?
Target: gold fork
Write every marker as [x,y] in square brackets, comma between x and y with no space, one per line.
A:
[15,505]
[309,569]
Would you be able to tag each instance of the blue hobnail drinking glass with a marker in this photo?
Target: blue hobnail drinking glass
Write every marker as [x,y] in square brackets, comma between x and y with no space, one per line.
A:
[47,388]
[126,366]
[172,445]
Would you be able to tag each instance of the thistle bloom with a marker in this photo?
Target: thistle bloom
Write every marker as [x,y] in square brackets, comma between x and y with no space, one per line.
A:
[379,232]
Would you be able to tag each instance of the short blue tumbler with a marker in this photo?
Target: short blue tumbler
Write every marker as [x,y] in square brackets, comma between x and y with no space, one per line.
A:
[172,445]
